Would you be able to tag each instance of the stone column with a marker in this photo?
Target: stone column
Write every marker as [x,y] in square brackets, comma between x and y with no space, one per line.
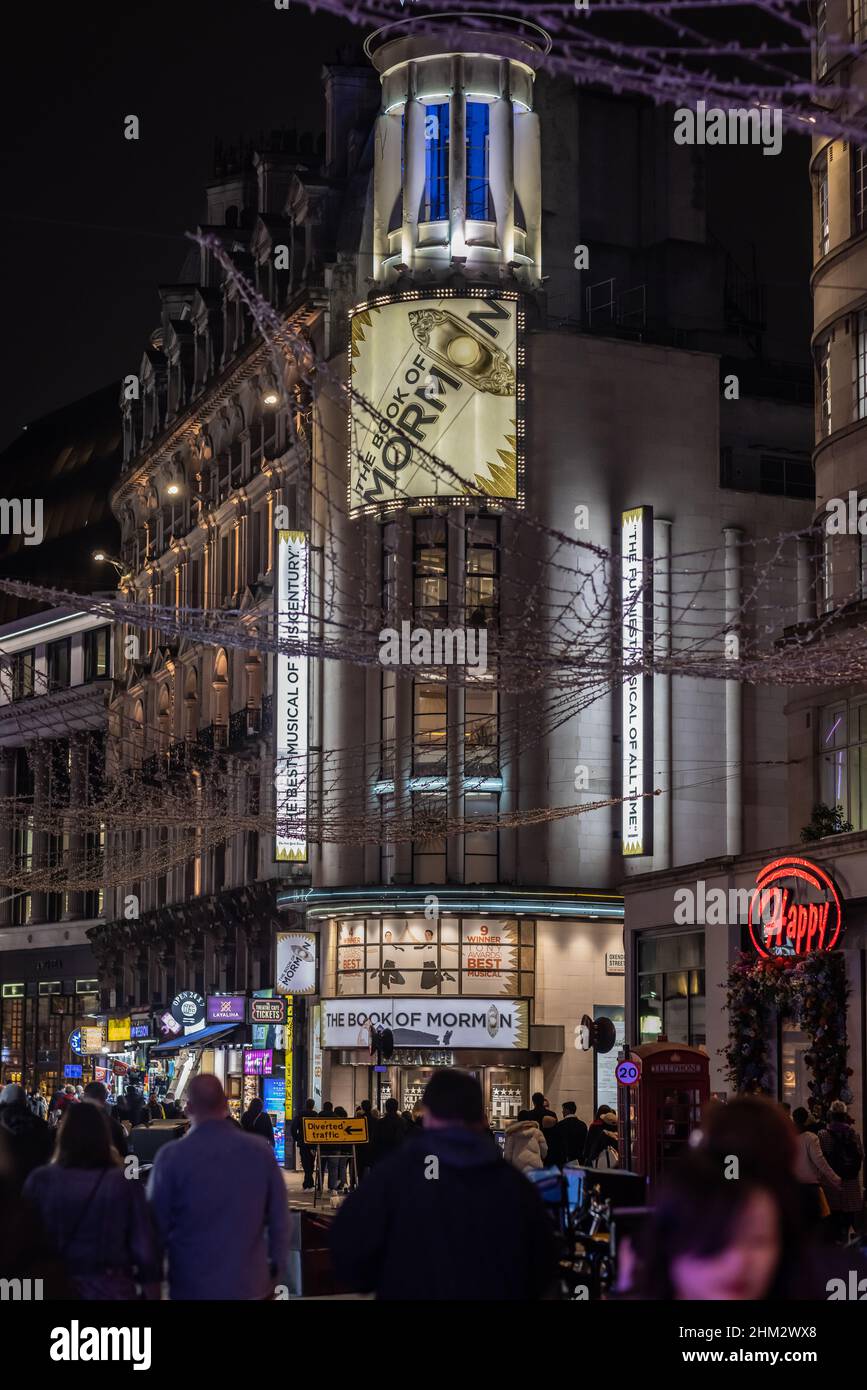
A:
[502,173]
[457,163]
[413,169]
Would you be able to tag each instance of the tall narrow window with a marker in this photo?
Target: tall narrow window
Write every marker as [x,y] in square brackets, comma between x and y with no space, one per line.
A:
[435,203]
[478,132]
[481,580]
[861,368]
[429,728]
[823,210]
[59,664]
[859,188]
[859,20]
[821,38]
[430,570]
[823,365]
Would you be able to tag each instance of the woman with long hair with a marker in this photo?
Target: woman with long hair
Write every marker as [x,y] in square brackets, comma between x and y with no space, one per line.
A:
[715,1238]
[96,1217]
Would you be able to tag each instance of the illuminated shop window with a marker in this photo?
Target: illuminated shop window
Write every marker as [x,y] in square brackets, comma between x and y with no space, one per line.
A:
[671,987]
[473,956]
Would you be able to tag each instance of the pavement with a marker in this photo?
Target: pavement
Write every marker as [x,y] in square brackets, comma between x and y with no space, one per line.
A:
[301,1198]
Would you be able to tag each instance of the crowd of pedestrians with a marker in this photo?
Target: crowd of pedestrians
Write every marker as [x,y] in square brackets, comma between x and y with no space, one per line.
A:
[439,1211]
[211,1220]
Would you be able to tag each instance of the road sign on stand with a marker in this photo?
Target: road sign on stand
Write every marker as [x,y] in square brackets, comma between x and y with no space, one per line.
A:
[333,1129]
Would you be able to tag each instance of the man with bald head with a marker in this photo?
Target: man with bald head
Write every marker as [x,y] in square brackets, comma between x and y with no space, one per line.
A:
[220,1205]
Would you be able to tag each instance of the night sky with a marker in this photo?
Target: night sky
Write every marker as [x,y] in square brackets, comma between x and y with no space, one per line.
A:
[91,223]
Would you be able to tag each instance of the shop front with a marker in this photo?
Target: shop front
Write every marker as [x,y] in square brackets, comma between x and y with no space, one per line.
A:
[760,961]
[495,984]
[46,996]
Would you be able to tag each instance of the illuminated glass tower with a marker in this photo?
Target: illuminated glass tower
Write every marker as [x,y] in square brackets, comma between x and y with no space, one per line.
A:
[457,155]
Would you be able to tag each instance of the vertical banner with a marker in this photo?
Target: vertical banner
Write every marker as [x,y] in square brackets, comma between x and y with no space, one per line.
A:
[291,698]
[636,552]
[289,1039]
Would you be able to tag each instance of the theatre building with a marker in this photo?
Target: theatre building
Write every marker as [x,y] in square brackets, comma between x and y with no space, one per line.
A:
[502,398]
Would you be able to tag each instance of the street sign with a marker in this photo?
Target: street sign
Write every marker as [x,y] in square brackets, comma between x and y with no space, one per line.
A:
[331,1129]
[628,1071]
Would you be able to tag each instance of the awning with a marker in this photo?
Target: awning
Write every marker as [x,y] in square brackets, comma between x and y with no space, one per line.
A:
[202,1035]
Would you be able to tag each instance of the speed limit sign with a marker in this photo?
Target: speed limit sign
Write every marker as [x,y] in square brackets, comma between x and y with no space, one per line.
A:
[628,1071]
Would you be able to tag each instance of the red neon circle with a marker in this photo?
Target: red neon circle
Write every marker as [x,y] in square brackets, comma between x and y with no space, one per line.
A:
[792,866]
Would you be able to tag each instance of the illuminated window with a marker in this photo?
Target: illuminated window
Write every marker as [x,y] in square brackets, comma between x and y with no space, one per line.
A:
[481,578]
[478,137]
[671,987]
[430,570]
[435,200]
[429,750]
[834,739]
[96,653]
[481,731]
[473,956]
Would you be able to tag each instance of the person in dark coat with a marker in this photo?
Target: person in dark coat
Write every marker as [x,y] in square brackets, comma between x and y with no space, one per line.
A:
[256,1120]
[444,1216]
[29,1140]
[546,1120]
[305,1151]
[389,1132]
[96,1092]
[568,1139]
[134,1104]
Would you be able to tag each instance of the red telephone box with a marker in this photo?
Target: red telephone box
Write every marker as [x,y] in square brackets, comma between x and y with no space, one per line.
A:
[663,1107]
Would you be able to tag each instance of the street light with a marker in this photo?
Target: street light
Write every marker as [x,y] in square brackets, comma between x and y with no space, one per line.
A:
[102,558]
[173,489]
[270,398]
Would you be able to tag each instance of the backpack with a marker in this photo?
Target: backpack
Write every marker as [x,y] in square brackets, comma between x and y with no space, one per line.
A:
[842,1153]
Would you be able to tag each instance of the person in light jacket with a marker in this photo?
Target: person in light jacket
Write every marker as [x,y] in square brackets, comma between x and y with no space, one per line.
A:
[812,1169]
[526,1147]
